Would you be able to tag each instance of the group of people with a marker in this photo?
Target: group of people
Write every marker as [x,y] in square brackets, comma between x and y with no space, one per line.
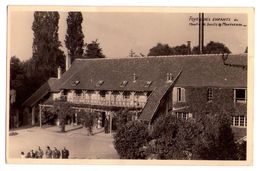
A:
[49,154]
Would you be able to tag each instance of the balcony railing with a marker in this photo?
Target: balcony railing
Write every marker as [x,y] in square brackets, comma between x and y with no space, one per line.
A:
[103,102]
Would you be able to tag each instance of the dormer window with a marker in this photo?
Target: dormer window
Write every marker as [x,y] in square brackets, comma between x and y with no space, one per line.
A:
[75,83]
[148,83]
[99,83]
[123,83]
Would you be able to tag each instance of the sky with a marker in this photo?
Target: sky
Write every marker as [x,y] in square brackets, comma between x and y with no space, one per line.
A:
[118,33]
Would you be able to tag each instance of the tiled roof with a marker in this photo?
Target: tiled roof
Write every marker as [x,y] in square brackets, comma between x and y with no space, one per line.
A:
[52,85]
[199,70]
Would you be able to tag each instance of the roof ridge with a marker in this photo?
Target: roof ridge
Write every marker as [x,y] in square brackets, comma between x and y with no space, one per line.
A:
[159,56]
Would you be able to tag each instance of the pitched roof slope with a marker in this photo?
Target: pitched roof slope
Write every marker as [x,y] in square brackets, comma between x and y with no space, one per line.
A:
[198,70]
[154,100]
[49,86]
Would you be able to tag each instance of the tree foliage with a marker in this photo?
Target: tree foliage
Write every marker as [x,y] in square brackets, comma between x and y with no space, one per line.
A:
[88,119]
[62,110]
[74,38]
[93,50]
[165,49]
[205,138]
[130,140]
[121,118]
[46,53]
[160,50]
[212,48]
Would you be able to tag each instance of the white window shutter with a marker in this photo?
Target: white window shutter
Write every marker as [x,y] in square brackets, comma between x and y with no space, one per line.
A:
[183,95]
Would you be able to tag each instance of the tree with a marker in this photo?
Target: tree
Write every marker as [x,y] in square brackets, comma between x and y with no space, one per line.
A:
[212,48]
[46,53]
[181,50]
[88,119]
[161,49]
[93,50]
[207,137]
[130,140]
[217,139]
[74,39]
[121,118]
[62,110]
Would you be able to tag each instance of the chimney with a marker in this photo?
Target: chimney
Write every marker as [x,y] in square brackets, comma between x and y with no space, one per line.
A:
[201,32]
[169,77]
[59,72]
[134,78]
[188,47]
[68,61]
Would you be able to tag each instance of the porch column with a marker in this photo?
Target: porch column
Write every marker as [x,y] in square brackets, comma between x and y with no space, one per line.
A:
[97,97]
[121,97]
[109,97]
[76,118]
[40,115]
[132,98]
[110,121]
[33,115]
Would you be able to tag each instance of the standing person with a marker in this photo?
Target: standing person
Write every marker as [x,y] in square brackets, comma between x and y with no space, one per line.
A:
[48,153]
[55,153]
[58,154]
[28,155]
[22,155]
[32,154]
[39,153]
[65,153]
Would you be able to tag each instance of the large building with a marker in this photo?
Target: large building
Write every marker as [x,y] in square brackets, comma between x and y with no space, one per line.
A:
[148,87]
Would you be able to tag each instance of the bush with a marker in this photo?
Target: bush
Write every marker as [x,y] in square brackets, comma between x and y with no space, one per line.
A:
[217,139]
[241,147]
[173,138]
[206,138]
[130,140]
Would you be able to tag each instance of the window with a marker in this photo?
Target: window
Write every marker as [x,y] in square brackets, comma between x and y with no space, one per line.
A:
[127,95]
[99,83]
[183,115]
[78,92]
[123,83]
[210,94]
[240,95]
[102,94]
[148,83]
[180,94]
[239,121]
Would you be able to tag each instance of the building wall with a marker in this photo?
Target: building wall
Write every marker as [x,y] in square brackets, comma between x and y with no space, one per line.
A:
[197,100]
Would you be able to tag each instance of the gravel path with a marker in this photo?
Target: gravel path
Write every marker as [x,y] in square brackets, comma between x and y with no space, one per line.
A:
[81,146]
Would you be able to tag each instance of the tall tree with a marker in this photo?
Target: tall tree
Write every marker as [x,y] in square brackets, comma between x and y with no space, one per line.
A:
[46,53]
[74,39]
[93,50]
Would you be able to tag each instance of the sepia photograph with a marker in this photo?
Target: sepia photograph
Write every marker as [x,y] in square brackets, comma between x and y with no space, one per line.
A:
[139,85]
